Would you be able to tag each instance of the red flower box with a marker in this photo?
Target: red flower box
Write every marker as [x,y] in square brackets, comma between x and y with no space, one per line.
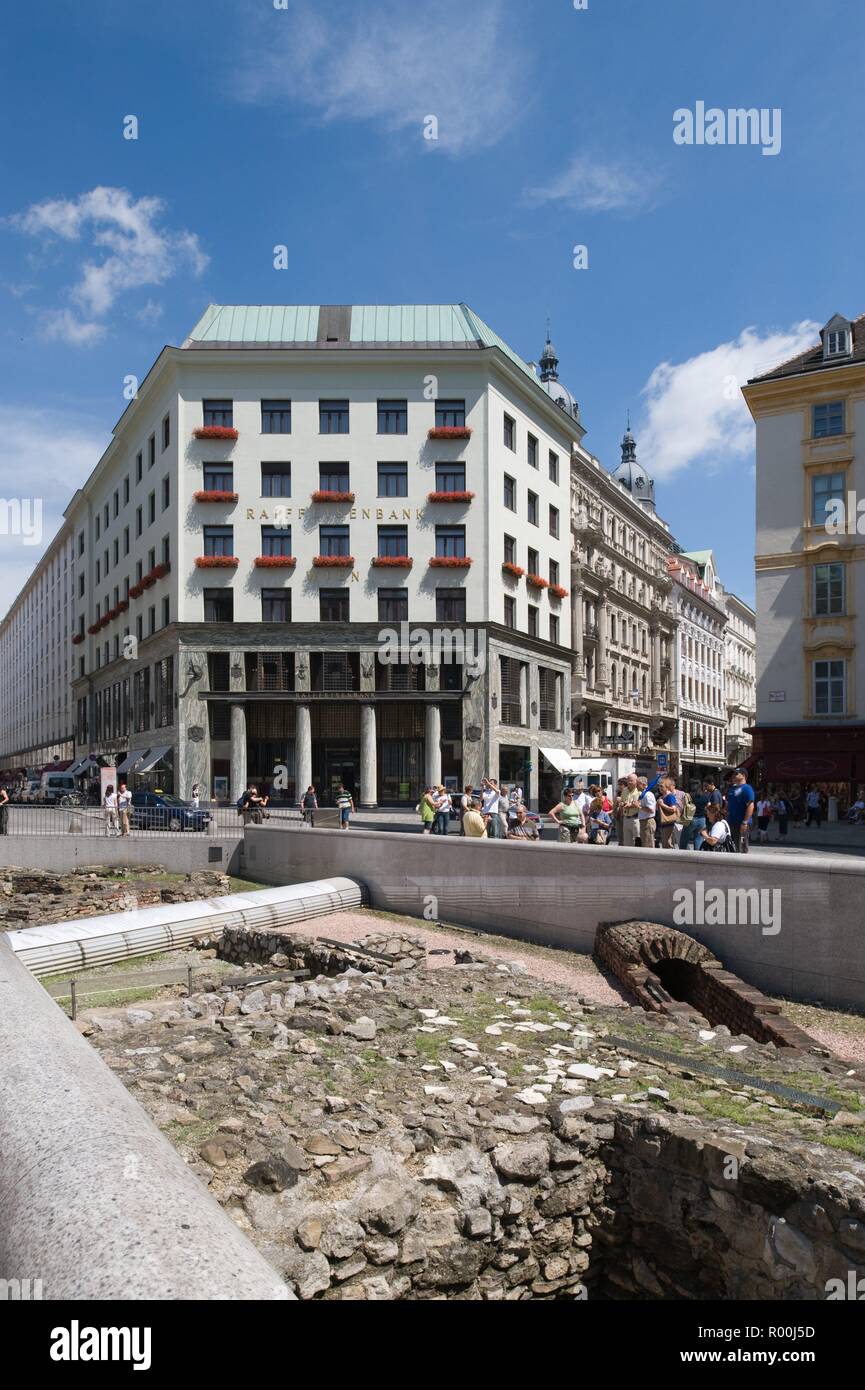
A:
[215,432]
[148,580]
[122,606]
[161,570]
[212,562]
[449,432]
[393,562]
[558,591]
[78,638]
[449,496]
[333,496]
[323,562]
[446,562]
[135,591]
[112,614]
[94,628]
[215,496]
[535,581]
[514,570]
[275,562]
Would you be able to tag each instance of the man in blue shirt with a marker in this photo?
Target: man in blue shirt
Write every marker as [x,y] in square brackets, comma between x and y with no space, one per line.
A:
[740,809]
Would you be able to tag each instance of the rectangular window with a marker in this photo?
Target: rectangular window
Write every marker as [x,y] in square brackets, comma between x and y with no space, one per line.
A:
[151,508]
[510,550]
[510,611]
[450,605]
[450,542]
[532,504]
[828,590]
[166,492]
[510,433]
[548,699]
[163,673]
[333,540]
[105,517]
[218,413]
[139,467]
[218,477]
[554,467]
[151,451]
[276,480]
[333,477]
[125,490]
[532,451]
[393,480]
[533,620]
[829,687]
[151,620]
[533,563]
[450,415]
[333,605]
[219,540]
[512,674]
[554,521]
[825,489]
[510,497]
[276,605]
[116,502]
[98,571]
[151,558]
[827,419]
[166,611]
[219,605]
[117,550]
[166,432]
[393,605]
[554,629]
[97,525]
[276,540]
[81,586]
[81,543]
[166,550]
[554,573]
[450,477]
[275,418]
[333,417]
[141,699]
[392,541]
[393,417]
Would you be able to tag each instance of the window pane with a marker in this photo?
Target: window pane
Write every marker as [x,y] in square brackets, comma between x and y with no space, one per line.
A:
[333,417]
[216,413]
[450,477]
[392,540]
[218,477]
[333,477]
[276,540]
[333,607]
[276,417]
[393,480]
[276,605]
[276,480]
[450,541]
[219,540]
[392,417]
[334,540]
[450,414]
[450,605]
[393,605]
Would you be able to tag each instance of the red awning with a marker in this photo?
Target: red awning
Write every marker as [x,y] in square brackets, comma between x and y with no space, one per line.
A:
[808,767]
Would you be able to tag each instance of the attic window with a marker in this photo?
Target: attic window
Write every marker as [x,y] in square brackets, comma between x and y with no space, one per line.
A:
[837,343]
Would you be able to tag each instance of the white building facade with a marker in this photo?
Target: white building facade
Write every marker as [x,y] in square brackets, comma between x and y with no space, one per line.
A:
[295,490]
[701,741]
[740,677]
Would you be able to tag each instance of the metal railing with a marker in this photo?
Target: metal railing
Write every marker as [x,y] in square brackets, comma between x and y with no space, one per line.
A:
[143,823]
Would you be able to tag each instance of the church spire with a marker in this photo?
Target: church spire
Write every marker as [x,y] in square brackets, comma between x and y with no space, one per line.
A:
[549,360]
[629,444]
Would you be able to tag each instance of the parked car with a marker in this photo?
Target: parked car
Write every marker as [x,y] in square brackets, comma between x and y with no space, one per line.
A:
[29,790]
[159,811]
[56,785]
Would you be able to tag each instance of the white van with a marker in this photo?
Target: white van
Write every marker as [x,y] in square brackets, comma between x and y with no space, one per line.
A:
[54,785]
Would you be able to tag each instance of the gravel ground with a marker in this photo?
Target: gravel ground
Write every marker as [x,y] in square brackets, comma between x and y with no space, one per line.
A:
[577,973]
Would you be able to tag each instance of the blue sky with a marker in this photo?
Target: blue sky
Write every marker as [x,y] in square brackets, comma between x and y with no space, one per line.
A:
[304,126]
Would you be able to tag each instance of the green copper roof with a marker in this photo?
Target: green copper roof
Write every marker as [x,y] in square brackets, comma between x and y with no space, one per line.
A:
[350,325]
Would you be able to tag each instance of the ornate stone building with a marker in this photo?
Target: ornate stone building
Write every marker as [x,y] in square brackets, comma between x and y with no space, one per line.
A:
[699,601]
[740,677]
[622,620]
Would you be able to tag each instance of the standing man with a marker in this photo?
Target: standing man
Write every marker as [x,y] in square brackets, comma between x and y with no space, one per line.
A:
[646,817]
[814,803]
[124,801]
[630,810]
[490,808]
[740,809]
[345,806]
[309,806]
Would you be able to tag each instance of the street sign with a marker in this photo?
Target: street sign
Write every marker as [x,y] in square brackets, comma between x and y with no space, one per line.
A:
[663,762]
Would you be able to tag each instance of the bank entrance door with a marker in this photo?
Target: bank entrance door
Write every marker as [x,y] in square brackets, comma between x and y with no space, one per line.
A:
[341,766]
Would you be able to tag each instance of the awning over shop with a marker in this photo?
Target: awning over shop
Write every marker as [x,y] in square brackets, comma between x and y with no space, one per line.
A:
[560,759]
[131,761]
[151,758]
[83,765]
[808,767]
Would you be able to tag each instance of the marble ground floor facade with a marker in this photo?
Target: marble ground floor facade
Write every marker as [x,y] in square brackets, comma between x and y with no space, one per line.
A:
[293,705]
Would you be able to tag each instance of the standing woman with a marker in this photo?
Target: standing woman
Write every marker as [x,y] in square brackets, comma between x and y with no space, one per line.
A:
[668,814]
[427,810]
[109,803]
[4,811]
[196,796]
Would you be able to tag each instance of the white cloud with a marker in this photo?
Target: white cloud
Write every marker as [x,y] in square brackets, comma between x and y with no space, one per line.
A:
[592,186]
[126,249]
[45,455]
[394,64]
[695,412]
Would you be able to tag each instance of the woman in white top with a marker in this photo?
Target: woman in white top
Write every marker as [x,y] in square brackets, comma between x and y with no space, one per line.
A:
[196,796]
[109,802]
[765,811]
[718,831]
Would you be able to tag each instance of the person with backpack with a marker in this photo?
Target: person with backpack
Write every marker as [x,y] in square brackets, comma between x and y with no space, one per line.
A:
[689,817]
[719,836]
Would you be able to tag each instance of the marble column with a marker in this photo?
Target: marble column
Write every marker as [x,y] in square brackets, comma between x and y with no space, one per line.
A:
[433,746]
[238,751]
[302,749]
[368,758]
[602,674]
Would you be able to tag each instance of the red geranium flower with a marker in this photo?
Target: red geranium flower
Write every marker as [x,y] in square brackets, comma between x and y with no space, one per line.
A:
[450,496]
[215,562]
[326,496]
[449,432]
[515,570]
[215,432]
[457,562]
[214,496]
[333,561]
[274,562]
[396,562]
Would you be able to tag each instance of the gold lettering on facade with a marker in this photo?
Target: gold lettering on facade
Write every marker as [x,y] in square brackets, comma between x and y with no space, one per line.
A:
[352,516]
[365,513]
[354,576]
[250,514]
[378,513]
[406,513]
